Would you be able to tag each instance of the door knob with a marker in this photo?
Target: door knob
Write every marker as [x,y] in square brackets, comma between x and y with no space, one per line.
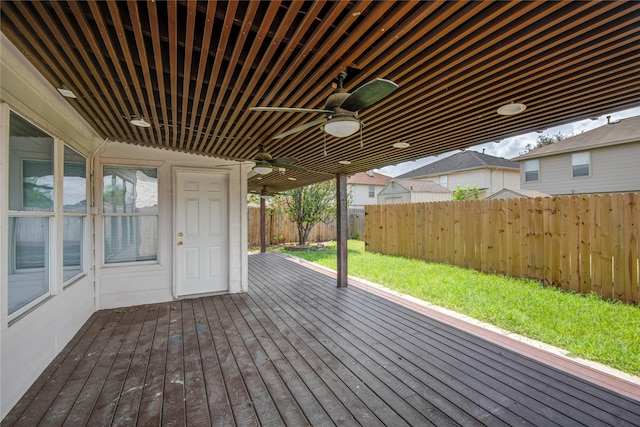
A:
[180,243]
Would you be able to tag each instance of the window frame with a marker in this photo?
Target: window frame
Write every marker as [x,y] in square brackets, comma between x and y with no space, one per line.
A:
[75,214]
[581,165]
[372,191]
[103,216]
[537,170]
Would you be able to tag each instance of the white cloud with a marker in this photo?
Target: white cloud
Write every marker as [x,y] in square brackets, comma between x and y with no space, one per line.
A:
[512,147]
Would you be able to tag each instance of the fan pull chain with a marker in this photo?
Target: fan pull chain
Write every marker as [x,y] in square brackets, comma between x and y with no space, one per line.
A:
[361,143]
[325,144]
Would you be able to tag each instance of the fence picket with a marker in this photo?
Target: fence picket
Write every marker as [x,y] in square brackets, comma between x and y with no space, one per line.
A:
[587,243]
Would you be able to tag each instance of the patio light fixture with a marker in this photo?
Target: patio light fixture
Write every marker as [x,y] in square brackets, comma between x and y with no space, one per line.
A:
[141,122]
[511,109]
[401,144]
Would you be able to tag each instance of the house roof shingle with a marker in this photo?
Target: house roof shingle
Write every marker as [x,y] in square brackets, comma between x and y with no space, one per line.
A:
[421,186]
[619,132]
[461,161]
[366,179]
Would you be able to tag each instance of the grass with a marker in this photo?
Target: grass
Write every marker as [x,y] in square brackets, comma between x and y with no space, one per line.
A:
[584,325]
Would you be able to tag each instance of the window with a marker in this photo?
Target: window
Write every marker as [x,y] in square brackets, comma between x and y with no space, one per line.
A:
[532,170]
[444,181]
[31,218]
[580,164]
[130,208]
[74,201]
[372,191]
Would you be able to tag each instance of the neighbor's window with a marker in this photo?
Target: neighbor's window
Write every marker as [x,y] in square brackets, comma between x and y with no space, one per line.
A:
[74,200]
[580,163]
[444,181]
[31,217]
[372,191]
[532,170]
[130,208]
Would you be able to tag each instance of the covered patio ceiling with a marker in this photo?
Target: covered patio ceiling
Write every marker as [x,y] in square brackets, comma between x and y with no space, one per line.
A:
[193,70]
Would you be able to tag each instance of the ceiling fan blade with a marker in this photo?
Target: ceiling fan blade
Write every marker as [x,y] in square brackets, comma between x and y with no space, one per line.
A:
[290,110]
[290,167]
[301,128]
[368,94]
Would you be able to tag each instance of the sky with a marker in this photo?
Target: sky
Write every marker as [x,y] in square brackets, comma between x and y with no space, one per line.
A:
[512,147]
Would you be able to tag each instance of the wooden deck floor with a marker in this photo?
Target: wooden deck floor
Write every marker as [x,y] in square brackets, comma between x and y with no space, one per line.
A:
[295,350]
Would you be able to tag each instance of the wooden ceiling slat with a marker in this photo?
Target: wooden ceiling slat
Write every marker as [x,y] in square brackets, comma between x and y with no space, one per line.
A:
[146,74]
[210,18]
[241,113]
[85,32]
[172,25]
[245,30]
[301,91]
[128,59]
[157,54]
[276,88]
[224,33]
[263,85]
[186,79]
[229,116]
[50,55]
[497,72]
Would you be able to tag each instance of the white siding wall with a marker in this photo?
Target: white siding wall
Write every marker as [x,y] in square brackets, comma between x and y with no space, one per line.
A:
[360,195]
[394,193]
[492,179]
[430,197]
[613,169]
[31,342]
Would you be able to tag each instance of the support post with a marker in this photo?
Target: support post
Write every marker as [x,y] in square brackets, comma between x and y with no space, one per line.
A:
[341,220]
[263,226]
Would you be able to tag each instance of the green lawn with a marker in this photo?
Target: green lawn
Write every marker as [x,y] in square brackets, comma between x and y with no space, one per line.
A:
[586,326]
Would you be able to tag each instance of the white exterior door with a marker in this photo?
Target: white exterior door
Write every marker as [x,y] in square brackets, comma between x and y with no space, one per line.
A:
[201,234]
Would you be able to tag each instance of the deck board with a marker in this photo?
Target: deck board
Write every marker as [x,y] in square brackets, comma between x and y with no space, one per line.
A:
[296,350]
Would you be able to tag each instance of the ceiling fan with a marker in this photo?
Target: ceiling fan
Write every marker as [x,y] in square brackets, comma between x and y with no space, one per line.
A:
[264,193]
[341,108]
[265,163]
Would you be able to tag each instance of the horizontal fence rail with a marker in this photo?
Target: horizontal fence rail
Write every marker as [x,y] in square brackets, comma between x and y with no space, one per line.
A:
[585,243]
[281,230]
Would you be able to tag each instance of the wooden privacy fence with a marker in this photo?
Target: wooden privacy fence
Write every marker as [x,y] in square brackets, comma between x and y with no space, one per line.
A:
[585,243]
[281,230]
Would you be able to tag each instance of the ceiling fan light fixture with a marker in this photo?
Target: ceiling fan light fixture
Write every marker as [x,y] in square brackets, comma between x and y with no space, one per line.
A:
[141,122]
[342,126]
[262,169]
[511,109]
[344,162]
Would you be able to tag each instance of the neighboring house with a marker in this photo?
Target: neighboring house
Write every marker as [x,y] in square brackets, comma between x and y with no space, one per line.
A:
[412,191]
[602,160]
[508,193]
[364,188]
[489,173]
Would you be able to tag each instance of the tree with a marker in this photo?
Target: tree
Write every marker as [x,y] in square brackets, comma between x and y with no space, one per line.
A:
[307,206]
[467,193]
[544,140]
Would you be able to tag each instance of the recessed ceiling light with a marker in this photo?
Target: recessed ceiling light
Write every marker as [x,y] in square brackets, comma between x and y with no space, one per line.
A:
[401,144]
[141,122]
[511,109]
[66,92]
[291,178]
[344,162]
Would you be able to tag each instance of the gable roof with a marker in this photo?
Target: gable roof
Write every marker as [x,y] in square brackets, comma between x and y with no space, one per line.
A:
[461,161]
[518,193]
[418,186]
[619,132]
[364,178]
